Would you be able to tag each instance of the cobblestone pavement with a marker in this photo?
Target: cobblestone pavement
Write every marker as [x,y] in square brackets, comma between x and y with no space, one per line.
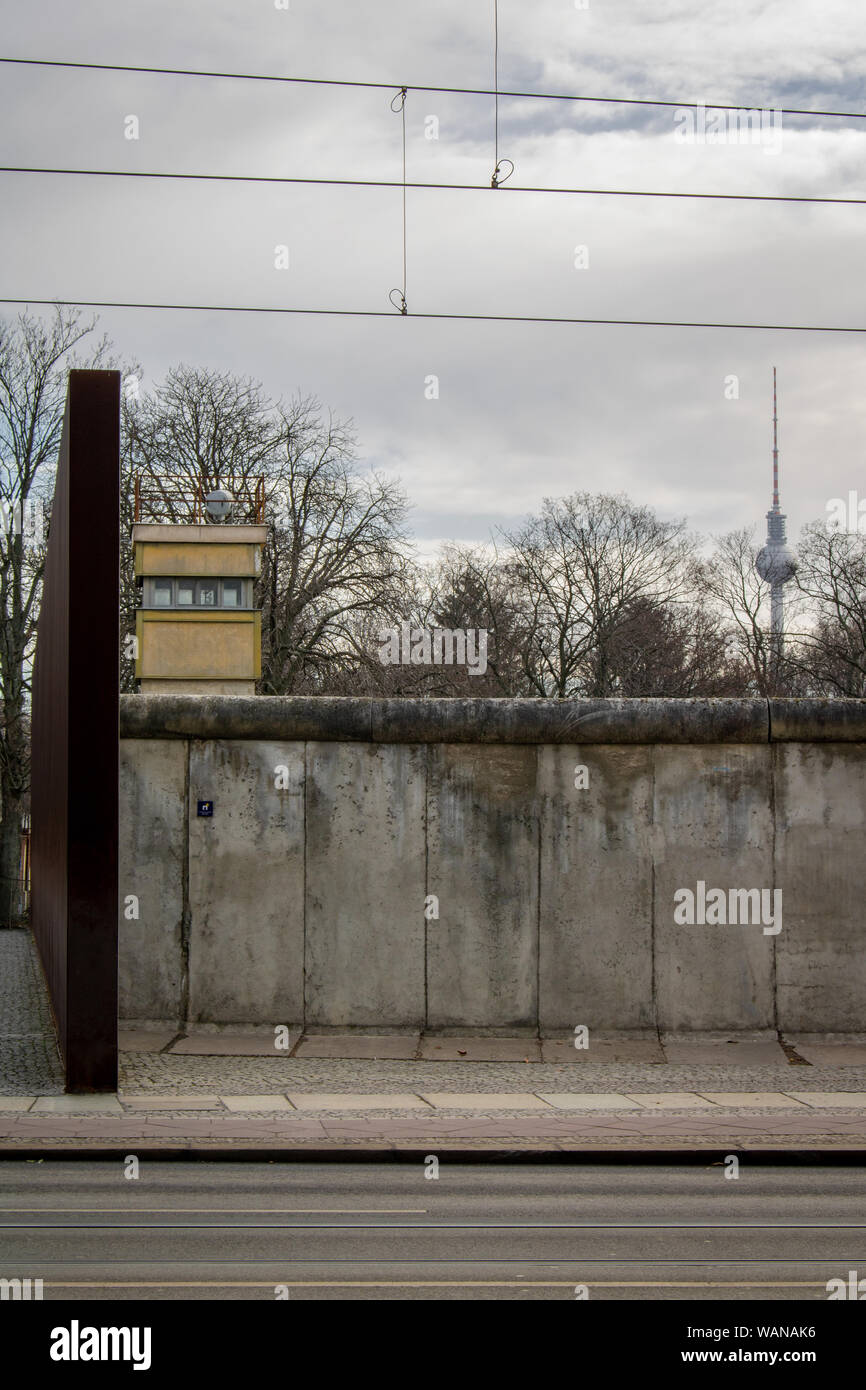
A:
[226,1087]
[29,1057]
[163,1073]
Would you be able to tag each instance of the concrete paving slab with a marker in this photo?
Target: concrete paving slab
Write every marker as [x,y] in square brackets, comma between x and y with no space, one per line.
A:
[76,1105]
[561,1100]
[243,1104]
[396,1047]
[730,1051]
[354,1101]
[768,1100]
[831,1100]
[17,1103]
[179,1102]
[484,1100]
[832,1054]
[603,1050]
[232,1045]
[795,1130]
[435,1048]
[144,1040]
[672,1100]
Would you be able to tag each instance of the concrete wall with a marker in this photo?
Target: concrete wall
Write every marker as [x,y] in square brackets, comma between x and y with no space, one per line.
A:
[490,864]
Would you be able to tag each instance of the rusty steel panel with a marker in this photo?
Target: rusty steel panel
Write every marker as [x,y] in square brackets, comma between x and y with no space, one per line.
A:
[75,737]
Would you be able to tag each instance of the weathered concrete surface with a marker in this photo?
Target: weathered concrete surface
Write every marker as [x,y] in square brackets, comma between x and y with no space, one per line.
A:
[293,718]
[365,884]
[342,718]
[595,938]
[306,905]
[817,721]
[246,883]
[712,822]
[569,721]
[152,829]
[482,864]
[820,841]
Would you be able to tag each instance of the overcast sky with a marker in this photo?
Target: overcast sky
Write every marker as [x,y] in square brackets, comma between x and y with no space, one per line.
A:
[524,411]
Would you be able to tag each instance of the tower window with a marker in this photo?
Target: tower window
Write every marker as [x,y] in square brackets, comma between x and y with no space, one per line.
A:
[197,593]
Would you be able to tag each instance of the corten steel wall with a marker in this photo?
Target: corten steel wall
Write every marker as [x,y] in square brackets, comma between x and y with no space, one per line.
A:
[75,737]
[301,900]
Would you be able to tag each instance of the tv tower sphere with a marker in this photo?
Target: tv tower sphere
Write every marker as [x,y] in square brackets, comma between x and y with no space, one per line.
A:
[776,563]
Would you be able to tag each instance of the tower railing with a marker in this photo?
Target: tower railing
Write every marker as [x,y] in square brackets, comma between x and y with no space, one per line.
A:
[176,498]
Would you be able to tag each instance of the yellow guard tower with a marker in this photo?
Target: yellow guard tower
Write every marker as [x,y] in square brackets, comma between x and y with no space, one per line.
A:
[197,630]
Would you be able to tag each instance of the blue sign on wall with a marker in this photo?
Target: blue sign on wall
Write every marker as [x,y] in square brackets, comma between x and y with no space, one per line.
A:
[205,808]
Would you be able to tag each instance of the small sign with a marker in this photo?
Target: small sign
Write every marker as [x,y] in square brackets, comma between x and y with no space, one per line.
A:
[205,808]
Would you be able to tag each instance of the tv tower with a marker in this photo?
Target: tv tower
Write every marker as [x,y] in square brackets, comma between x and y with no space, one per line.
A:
[775,562]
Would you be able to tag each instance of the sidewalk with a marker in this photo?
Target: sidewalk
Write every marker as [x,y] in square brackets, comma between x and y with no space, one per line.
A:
[429,1121]
[229,1092]
[237,1091]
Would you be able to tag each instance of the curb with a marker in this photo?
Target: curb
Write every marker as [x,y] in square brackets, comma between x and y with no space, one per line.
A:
[290,1152]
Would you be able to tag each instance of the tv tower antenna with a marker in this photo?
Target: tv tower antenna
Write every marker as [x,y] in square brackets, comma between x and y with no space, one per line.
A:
[775,563]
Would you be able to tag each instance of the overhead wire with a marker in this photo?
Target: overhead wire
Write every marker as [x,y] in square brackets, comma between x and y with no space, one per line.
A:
[463,318]
[444,187]
[421,87]
[404,185]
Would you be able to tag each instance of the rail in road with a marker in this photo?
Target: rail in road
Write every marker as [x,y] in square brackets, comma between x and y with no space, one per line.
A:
[260,1231]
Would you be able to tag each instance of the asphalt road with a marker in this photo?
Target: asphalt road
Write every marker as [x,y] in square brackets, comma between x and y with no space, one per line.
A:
[385,1231]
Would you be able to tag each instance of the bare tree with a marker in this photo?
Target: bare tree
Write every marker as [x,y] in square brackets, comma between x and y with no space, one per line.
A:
[729,580]
[575,571]
[468,589]
[831,652]
[464,591]
[359,670]
[676,650]
[35,355]
[335,547]
[197,431]
[337,555]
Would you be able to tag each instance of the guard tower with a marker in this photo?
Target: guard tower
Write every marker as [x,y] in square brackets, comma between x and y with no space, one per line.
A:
[198,631]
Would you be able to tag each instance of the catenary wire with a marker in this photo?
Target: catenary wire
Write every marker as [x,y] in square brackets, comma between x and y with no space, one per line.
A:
[446,187]
[459,318]
[421,87]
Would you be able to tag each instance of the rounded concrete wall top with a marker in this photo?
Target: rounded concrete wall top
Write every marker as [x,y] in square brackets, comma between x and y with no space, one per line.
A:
[351,718]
